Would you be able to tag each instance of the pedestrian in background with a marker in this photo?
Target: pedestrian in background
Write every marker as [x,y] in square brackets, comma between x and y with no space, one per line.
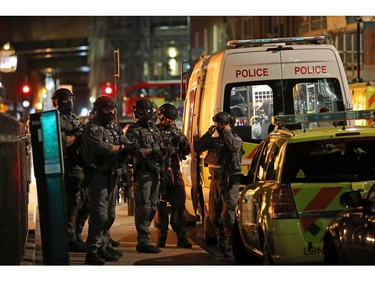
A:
[71,131]
[103,142]
[223,159]
[172,186]
[146,153]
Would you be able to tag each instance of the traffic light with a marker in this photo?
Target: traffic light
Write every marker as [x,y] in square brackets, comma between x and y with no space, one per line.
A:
[108,89]
[26,89]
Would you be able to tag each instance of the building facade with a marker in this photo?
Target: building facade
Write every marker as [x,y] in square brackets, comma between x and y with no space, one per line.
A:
[79,51]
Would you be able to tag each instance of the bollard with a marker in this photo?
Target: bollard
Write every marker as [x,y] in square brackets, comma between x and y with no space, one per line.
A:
[14,189]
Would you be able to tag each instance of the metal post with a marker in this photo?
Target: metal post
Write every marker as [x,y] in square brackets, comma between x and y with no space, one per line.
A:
[116,57]
[359,20]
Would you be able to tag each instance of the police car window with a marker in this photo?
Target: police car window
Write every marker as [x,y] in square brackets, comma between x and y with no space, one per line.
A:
[254,163]
[264,160]
[371,195]
[272,162]
[344,159]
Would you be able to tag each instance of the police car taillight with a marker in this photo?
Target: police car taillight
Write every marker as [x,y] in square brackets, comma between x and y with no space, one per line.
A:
[282,203]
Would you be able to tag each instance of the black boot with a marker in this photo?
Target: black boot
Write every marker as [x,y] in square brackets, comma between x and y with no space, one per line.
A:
[114,243]
[94,259]
[184,243]
[161,243]
[228,253]
[147,249]
[77,247]
[107,256]
[114,252]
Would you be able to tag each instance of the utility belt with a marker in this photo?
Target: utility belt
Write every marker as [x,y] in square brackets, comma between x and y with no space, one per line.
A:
[149,164]
[142,167]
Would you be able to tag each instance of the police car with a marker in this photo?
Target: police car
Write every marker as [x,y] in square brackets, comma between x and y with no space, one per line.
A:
[294,186]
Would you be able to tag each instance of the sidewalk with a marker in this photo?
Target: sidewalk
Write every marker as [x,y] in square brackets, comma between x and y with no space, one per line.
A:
[123,230]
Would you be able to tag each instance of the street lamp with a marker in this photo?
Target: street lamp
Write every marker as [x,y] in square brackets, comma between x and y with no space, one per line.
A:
[172,62]
[8,59]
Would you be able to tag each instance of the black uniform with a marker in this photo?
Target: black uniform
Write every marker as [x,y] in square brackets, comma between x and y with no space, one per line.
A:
[101,171]
[223,160]
[71,127]
[74,175]
[147,152]
[172,186]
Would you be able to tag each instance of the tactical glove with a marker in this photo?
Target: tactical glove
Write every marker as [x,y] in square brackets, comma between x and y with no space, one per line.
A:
[212,129]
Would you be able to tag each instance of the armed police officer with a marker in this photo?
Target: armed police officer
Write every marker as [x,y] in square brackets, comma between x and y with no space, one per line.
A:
[223,159]
[71,130]
[147,153]
[172,186]
[103,142]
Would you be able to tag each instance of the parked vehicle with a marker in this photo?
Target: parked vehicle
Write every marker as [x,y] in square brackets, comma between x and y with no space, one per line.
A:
[294,186]
[252,80]
[159,92]
[350,238]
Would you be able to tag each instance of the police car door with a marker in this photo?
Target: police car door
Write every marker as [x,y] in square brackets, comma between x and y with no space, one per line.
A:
[252,199]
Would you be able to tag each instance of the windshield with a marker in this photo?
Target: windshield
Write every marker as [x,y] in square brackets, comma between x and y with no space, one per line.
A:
[253,105]
[344,159]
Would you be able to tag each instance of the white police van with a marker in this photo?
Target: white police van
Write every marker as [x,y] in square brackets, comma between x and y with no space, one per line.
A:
[254,80]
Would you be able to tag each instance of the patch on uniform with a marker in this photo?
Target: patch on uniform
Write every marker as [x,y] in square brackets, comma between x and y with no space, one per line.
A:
[94,131]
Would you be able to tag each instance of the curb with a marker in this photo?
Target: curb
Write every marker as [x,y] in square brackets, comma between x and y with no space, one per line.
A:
[30,249]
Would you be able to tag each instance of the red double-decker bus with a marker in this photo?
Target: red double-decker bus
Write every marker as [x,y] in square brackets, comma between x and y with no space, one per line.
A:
[159,92]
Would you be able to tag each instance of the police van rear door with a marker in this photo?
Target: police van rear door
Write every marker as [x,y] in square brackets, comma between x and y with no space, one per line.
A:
[249,66]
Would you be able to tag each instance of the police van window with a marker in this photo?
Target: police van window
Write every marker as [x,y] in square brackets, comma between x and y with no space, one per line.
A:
[252,106]
[189,114]
[310,96]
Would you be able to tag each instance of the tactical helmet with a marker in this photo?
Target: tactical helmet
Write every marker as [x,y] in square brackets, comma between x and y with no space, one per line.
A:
[60,94]
[105,102]
[224,117]
[144,109]
[169,111]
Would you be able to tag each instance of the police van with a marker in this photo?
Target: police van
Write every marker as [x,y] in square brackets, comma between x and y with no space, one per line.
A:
[254,80]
